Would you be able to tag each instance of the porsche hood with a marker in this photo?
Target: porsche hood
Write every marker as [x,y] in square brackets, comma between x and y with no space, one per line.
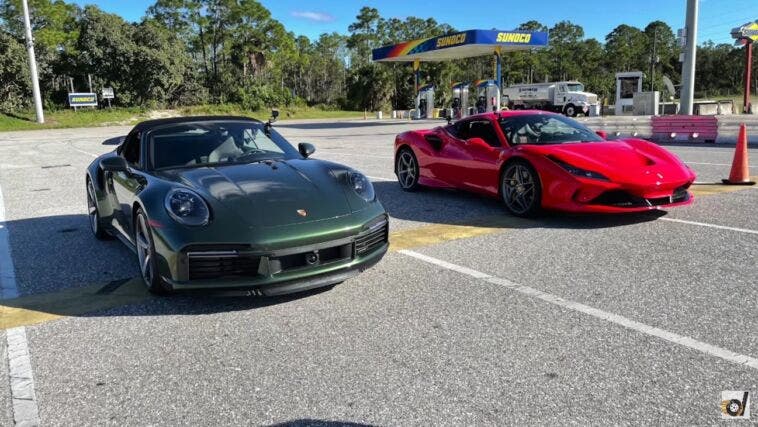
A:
[270,194]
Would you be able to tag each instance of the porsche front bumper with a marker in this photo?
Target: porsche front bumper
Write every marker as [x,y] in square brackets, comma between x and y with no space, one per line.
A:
[234,266]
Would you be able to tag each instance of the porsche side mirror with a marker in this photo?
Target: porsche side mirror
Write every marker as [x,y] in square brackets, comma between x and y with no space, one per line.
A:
[478,142]
[306,149]
[602,134]
[113,164]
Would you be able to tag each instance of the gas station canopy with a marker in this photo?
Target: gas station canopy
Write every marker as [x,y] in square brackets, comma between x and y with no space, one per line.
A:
[465,44]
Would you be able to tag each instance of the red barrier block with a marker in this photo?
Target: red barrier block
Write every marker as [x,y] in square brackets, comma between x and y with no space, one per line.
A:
[685,128]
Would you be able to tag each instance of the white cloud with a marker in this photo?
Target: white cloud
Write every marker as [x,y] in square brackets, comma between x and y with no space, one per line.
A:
[313,16]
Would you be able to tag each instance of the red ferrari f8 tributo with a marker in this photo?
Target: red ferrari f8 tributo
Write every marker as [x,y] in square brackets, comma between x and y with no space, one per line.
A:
[535,160]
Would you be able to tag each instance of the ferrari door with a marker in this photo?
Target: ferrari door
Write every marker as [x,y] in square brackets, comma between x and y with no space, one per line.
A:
[475,164]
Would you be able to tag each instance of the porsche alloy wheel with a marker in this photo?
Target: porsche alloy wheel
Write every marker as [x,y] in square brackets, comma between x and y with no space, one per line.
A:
[407,170]
[94,214]
[146,256]
[520,188]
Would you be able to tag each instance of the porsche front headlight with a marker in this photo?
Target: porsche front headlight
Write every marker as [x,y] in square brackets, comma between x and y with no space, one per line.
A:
[187,207]
[361,185]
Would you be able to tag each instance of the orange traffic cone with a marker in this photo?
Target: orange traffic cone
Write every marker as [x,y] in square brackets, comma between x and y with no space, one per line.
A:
[740,174]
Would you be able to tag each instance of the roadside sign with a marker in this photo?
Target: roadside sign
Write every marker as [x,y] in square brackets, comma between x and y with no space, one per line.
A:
[747,31]
[82,99]
[108,93]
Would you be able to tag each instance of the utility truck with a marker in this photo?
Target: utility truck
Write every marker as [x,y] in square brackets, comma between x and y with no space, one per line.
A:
[568,97]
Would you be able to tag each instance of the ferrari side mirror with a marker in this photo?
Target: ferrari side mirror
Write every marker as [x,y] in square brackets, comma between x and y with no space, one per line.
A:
[602,134]
[113,164]
[306,149]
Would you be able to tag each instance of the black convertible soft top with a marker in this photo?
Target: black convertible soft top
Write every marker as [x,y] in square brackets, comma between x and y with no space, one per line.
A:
[150,124]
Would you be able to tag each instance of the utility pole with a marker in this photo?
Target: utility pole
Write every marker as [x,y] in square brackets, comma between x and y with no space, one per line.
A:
[653,62]
[690,52]
[33,65]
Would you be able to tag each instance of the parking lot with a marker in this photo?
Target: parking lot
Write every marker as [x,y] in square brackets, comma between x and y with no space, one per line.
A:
[474,317]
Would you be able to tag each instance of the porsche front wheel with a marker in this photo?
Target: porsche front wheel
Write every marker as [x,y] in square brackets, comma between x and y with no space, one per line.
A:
[521,190]
[407,170]
[143,239]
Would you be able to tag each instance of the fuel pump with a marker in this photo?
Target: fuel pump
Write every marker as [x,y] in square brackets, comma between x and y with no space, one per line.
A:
[460,100]
[487,96]
[425,102]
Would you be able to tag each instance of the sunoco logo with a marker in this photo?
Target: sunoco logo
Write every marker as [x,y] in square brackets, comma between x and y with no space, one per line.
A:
[451,40]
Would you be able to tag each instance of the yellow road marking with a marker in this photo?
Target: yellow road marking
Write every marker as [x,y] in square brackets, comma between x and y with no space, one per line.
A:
[438,233]
[40,308]
[700,190]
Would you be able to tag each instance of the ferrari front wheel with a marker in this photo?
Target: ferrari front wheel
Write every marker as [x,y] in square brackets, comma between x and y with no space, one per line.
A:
[520,189]
[407,170]
[143,240]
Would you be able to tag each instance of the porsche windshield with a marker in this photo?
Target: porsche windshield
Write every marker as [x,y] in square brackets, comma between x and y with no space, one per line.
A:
[545,129]
[199,144]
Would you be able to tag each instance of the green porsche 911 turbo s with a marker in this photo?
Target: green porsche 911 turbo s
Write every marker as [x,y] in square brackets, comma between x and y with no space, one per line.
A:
[227,203]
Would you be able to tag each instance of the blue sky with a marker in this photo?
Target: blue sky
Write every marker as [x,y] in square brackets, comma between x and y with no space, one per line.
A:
[598,17]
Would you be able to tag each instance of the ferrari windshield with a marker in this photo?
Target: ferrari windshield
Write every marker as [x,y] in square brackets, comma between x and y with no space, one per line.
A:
[545,129]
[199,144]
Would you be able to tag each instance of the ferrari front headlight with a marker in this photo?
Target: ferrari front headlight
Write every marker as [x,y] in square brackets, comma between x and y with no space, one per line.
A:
[187,207]
[361,185]
[573,170]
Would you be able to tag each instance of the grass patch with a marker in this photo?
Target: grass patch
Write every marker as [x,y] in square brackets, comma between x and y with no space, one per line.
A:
[69,119]
[128,116]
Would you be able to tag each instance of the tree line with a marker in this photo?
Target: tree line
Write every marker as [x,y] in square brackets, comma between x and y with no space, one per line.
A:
[190,52]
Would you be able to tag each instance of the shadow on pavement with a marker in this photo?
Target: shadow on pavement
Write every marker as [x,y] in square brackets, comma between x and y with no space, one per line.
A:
[438,206]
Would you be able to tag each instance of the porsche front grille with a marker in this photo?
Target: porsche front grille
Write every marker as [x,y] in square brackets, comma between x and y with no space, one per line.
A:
[219,265]
[372,239]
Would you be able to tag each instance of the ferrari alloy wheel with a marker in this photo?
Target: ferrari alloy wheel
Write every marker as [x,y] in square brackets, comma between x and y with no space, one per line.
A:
[520,188]
[407,170]
[146,256]
[93,214]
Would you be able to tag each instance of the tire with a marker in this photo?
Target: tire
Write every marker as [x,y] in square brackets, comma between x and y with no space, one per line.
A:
[146,258]
[734,407]
[407,170]
[570,110]
[95,222]
[520,189]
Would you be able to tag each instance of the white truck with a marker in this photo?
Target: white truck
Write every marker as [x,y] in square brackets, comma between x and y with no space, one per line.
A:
[568,98]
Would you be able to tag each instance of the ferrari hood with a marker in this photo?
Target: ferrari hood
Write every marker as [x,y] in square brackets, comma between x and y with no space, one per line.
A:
[270,194]
[631,161]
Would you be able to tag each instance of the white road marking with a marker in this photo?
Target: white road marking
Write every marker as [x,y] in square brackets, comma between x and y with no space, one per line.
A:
[713,164]
[703,224]
[85,152]
[340,153]
[672,337]
[379,178]
[25,410]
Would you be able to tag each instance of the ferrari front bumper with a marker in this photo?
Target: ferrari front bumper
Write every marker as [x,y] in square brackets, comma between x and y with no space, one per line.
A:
[605,197]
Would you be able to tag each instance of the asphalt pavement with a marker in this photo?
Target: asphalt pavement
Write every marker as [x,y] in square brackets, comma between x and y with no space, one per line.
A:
[474,317]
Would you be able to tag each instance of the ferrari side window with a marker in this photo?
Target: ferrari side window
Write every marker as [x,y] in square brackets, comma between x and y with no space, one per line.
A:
[483,129]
